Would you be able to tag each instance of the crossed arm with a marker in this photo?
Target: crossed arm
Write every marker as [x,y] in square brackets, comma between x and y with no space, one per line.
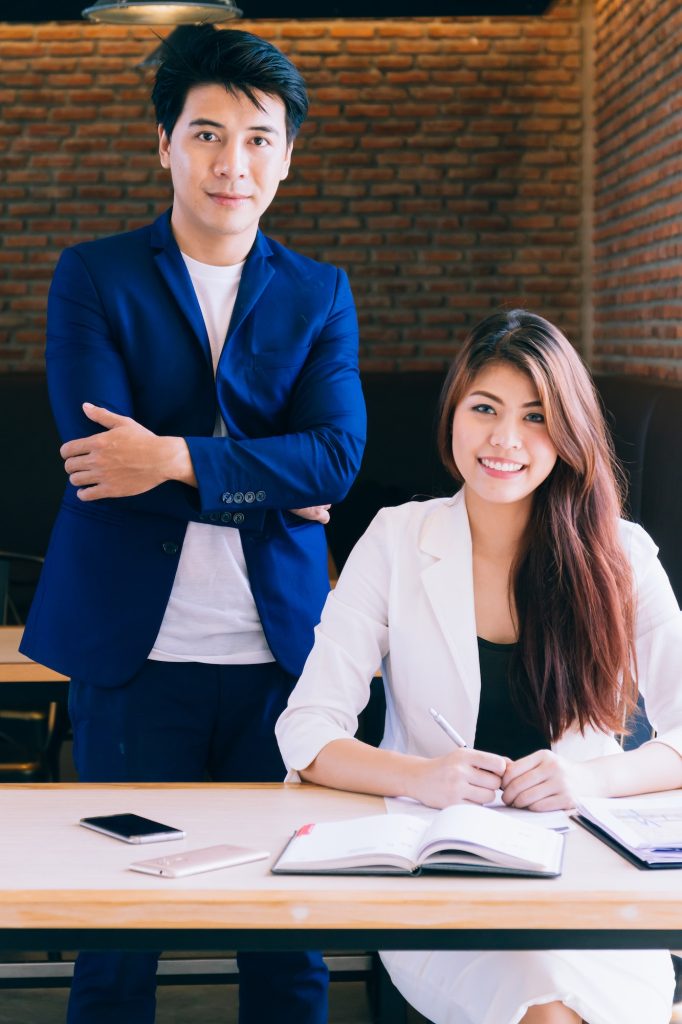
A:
[127,459]
[95,371]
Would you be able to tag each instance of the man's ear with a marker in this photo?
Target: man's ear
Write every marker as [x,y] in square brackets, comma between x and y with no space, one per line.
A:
[164,147]
[287,162]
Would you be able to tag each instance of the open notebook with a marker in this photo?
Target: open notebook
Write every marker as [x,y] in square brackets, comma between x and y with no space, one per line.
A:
[462,838]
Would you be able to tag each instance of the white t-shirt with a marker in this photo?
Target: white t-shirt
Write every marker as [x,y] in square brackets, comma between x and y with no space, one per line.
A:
[211,615]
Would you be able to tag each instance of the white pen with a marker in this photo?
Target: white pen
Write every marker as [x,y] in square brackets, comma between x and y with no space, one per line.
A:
[447,728]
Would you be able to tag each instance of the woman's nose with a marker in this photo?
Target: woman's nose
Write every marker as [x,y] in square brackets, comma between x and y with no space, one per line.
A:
[505,437]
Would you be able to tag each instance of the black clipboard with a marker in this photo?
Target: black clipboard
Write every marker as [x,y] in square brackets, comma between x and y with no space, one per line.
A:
[628,855]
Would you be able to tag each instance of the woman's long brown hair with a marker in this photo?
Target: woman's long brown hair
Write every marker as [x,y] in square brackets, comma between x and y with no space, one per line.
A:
[571,581]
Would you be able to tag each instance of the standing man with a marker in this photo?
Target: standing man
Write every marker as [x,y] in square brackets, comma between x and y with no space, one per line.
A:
[204,380]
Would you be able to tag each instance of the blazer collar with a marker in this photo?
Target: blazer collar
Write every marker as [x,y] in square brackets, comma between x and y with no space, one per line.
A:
[255,276]
[174,272]
[448,582]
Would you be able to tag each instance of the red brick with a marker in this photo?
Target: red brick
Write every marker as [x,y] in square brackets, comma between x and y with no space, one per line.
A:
[399,174]
[16,32]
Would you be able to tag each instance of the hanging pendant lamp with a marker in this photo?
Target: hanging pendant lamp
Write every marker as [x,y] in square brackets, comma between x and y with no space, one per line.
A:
[161,12]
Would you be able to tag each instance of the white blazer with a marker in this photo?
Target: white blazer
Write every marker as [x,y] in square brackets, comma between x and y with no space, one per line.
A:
[405,601]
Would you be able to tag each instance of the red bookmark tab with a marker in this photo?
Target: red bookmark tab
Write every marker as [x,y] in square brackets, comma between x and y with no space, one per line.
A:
[305,830]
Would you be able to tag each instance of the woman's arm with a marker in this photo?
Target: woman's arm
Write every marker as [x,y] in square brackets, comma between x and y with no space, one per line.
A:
[316,731]
[465,775]
[545,781]
[652,767]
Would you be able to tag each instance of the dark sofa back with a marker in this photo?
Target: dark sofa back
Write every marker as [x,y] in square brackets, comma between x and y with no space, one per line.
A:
[31,470]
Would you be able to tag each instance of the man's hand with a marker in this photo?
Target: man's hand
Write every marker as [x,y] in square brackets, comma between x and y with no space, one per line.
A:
[316,513]
[123,460]
[543,781]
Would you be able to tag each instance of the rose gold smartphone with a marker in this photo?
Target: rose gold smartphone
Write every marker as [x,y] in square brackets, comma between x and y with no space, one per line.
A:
[191,862]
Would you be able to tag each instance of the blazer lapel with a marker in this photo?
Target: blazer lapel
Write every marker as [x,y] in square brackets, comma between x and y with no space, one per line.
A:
[173,270]
[255,277]
[449,586]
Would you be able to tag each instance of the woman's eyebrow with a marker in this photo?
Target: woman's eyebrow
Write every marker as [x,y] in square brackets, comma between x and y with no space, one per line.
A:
[494,398]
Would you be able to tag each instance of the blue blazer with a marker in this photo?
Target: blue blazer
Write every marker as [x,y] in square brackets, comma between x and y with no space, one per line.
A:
[125,331]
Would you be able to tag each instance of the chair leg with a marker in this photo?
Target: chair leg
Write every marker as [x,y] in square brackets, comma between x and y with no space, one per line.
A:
[388,1006]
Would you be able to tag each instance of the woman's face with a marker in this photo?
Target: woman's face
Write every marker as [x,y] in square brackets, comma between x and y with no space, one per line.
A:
[499,436]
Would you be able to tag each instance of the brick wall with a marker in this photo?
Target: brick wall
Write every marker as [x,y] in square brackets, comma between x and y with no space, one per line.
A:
[441,167]
[638,188]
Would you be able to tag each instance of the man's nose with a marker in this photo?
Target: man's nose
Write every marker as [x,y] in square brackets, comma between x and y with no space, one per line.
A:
[231,161]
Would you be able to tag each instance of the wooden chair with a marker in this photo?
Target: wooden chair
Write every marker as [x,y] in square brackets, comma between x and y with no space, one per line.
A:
[30,735]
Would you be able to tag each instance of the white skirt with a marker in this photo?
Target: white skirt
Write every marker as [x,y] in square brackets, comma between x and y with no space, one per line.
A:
[602,986]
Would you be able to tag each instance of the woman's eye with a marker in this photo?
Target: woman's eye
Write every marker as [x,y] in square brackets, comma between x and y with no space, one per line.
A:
[482,407]
[535,417]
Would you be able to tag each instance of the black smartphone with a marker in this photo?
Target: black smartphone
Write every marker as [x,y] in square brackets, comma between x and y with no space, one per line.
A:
[131,828]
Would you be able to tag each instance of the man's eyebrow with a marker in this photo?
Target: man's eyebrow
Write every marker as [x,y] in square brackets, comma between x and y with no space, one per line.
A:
[487,394]
[206,122]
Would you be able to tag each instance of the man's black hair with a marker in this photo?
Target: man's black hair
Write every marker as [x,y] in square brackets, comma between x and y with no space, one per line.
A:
[241,62]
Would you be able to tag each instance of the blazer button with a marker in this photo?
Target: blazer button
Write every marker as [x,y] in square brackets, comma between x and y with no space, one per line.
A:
[214,517]
[249,496]
[260,495]
[169,547]
[237,497]
[226,517]
[238,518]
[227,497]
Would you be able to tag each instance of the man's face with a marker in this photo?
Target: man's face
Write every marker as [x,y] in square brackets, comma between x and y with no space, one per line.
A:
[226,157]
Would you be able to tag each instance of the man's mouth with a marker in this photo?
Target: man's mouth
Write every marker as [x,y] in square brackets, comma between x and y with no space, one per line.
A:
[227,199]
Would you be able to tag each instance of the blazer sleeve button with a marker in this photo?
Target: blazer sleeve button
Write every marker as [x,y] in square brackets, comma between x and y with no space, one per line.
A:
[238,518]
[169,547]
[249,496]
[227,497]
[226,517]
[237,497]
[260,495]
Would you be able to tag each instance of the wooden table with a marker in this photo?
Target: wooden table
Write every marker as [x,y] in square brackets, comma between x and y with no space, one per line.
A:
[23,680]
[62,886]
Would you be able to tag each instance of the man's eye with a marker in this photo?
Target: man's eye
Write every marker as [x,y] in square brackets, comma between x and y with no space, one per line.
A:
[207,136]
[259,140]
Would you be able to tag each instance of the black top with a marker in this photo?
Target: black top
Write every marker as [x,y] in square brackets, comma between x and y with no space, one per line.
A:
[501,727]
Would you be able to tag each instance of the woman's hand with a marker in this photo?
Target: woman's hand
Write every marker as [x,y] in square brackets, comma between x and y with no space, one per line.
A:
[464,776]
[543,781]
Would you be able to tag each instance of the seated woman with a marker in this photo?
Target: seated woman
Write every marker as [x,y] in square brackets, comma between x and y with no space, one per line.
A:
[527,612]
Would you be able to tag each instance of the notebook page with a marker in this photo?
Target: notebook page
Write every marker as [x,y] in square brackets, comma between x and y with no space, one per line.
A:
[362,838]
[482,828]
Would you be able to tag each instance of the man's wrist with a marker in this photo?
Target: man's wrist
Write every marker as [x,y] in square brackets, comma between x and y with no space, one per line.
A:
[175,461]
